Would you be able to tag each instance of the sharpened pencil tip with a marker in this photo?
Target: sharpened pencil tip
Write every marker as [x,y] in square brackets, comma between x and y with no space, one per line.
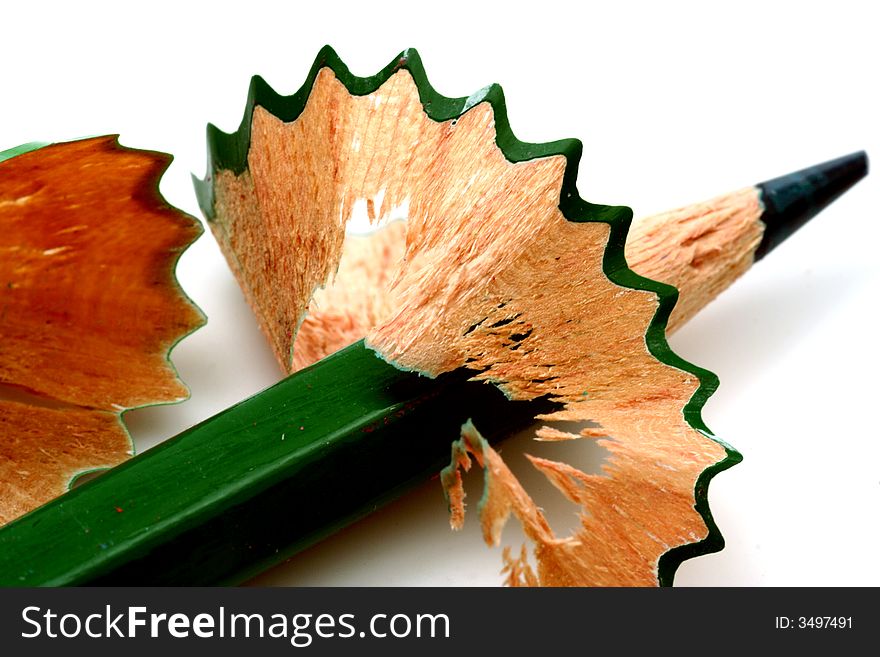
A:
[791,201]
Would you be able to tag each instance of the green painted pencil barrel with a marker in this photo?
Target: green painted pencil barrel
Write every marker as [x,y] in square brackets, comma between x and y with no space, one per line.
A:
[258,482]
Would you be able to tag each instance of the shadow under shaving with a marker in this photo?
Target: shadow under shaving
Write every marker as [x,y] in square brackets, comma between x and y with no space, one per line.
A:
[585,454]
[753,326]
[222,363]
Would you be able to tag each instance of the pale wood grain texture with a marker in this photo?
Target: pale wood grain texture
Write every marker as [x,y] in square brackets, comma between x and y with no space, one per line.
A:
[700,249]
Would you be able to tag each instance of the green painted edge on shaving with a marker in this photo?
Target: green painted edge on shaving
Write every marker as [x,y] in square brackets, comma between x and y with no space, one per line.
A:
[22,149]
[228,151]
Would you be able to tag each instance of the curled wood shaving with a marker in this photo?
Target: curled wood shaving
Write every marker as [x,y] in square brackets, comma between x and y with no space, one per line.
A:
[90,310]
[493,277]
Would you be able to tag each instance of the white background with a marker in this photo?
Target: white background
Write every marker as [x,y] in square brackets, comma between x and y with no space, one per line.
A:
[674,103]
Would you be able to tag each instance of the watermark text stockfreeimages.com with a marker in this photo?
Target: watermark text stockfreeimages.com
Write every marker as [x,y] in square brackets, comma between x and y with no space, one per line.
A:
[301,629]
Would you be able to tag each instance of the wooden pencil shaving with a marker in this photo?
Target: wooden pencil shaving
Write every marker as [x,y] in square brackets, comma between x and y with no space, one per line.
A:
[90,310]
[492,277]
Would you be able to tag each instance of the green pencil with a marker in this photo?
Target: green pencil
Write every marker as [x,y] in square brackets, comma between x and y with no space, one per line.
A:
[255,484]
